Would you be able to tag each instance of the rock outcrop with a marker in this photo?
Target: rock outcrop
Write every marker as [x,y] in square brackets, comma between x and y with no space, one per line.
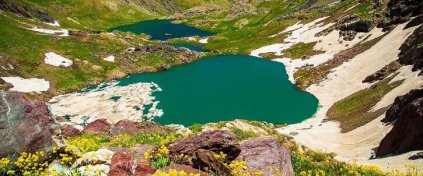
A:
[70,131]
[123,165]
[201,150]
[407,115]
[124,127]
[25,11]
[266,154]
[349,26]
[98,126]
[25,125]
[216,141]
[412,50]
[400,11]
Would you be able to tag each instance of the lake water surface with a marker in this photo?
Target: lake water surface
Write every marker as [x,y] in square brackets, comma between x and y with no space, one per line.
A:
[222,88]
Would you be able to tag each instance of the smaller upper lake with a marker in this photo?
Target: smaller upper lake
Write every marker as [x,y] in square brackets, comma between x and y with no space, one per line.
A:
[162,29]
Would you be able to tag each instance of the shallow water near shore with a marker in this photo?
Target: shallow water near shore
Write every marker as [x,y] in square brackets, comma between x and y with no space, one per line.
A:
[223,88]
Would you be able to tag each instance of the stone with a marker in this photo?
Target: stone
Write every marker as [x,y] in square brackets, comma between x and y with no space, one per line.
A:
[216,141]
[25,125]
[205,160]
[121,164]
[143,168]
[266,154]
[124,127]
[102,156]
[417,156]
[70,131]
[98,126]
[407,116]
[186,168]
[411,50]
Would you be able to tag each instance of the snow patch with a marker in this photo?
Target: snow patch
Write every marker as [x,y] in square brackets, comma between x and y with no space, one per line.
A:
[60,32]
[55,23]
[27,85]
[110,59]
[204,40]
[57,60]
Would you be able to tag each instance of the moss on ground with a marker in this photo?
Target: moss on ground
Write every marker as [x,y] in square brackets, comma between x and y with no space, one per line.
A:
[301,50]
[307,76]
[356,109]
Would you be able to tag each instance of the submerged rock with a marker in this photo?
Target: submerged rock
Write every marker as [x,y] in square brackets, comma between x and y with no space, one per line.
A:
[25,125]
[266,154]
[407,135]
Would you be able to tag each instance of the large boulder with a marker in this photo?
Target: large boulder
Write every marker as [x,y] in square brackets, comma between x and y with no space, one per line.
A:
[124,127]
[25,125]
[412,51]
[216,141]
[143,168]
[205,159]
[186,168]
[407,135]
[121,164]
[400,11]
[266,154]
[98,126]
[70,131]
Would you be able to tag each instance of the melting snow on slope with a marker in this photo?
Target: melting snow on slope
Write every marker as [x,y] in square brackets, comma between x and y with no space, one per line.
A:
[57,60]
[110,59]
[27,85]
[59,32]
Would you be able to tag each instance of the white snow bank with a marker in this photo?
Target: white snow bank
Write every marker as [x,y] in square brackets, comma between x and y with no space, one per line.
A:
[55,23]
[59,32]
[110,101]
[27,85]
[204,40]
[110,59]
[57,60]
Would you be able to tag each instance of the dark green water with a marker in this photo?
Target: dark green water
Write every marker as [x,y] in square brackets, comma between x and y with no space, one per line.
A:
[162,29]
[191,47]
[227,87]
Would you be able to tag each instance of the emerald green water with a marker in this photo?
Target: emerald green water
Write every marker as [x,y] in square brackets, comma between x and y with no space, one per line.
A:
[227,87]
[221,88]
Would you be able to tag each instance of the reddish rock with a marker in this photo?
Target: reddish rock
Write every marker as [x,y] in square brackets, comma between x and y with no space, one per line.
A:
[70,131]
[186,168]
[124,127]
[266,154]
[121,164]
[216,141]
[25,125]
[143,169]
[98,126]
[136,151]
[150,127]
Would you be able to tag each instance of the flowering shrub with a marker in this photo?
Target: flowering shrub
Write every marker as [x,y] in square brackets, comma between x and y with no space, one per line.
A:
[173,172]
[158,158]
[237,168]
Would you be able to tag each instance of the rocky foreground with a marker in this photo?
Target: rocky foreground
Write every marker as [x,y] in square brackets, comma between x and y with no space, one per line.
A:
[132,148]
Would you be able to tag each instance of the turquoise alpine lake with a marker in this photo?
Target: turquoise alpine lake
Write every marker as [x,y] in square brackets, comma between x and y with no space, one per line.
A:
[223,88]
[220,88]
[162,29]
